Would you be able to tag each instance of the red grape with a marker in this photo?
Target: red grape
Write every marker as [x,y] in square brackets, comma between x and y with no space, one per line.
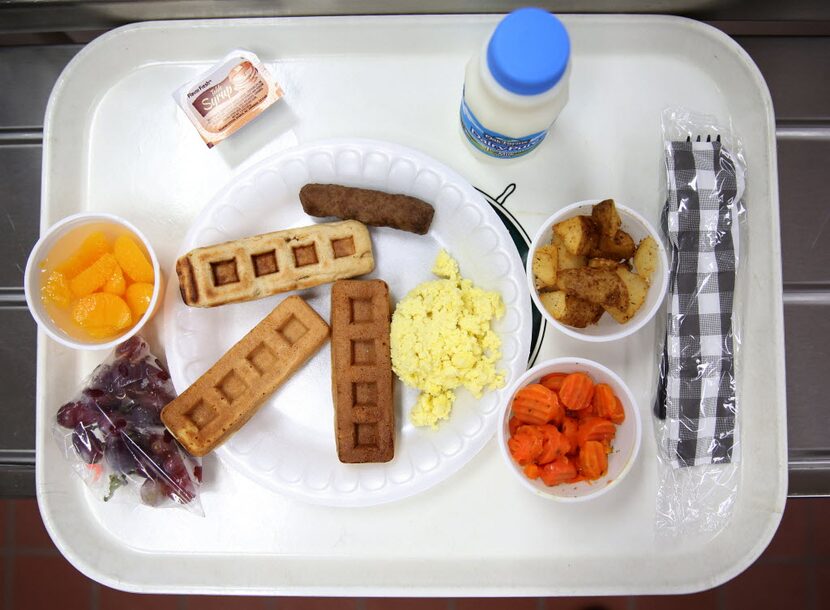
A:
[119,456]
[117,417]
[174,466]
[86,444]
[131,348]
[153,493]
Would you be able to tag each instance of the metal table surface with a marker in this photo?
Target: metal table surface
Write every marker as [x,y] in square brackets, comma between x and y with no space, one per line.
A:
[792,51]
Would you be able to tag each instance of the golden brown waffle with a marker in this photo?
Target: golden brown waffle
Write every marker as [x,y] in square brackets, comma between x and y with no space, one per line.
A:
[361,368]
[231,391]
[262,265]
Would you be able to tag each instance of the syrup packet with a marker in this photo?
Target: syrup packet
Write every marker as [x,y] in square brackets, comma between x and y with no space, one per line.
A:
[229,95]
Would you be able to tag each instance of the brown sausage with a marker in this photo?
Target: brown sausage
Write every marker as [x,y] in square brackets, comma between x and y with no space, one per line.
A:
[374,208]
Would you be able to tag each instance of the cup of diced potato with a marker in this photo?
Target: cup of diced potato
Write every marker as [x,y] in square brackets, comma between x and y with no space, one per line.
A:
[92,281]
[597,270]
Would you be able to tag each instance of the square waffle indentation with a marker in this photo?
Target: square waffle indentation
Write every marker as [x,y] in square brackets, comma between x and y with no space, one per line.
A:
[305,255]
[292,330]
[363,352]
[365,414]
[201,414]
[361,310]
[224,272]
[366,435]
[262,358]
[231,386]
[343,247]
[265,263]
[365,393]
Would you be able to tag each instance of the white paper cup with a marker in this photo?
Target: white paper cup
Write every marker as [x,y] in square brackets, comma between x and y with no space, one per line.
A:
[607,329]
[626,443]
[32,279]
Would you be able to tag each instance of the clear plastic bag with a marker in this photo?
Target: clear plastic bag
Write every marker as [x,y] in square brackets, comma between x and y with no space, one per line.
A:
[697,402]
[112,435]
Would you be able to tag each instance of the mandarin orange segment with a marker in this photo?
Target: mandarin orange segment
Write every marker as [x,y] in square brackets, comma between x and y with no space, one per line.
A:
[102,332]
[132,260]
[116,284]
[91,249]
[102,314]
[93,277]
[56,290]
[138,297]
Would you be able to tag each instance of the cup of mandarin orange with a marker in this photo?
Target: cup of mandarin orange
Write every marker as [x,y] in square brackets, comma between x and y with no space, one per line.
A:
[92,281]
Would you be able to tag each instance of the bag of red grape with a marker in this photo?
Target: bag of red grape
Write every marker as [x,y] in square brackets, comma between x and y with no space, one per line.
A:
[112,433]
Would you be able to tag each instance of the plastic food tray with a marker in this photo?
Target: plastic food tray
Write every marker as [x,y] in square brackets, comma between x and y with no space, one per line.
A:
[115,141]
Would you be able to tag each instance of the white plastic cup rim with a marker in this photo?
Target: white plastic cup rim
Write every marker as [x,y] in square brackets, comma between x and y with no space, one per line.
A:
[569,365]
[31,279]
[641,318]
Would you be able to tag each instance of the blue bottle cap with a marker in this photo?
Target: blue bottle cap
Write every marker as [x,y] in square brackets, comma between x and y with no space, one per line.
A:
[529,51]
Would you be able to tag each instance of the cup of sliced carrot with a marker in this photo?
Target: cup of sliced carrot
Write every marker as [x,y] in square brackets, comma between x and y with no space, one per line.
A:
[570,429]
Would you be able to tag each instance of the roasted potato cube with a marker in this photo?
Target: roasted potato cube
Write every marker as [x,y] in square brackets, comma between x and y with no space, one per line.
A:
[645,258]
[579,234]
[606,218]
[637,289]
[570,310]
[604,263]
[619,247]
[599,286]
[545,266]
[566,260]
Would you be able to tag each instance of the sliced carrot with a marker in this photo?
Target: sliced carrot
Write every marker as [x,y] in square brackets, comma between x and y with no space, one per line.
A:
[593,461]
[583,413]
[554,444]
[513,425]
[577,391]
[562,429]
[526,445]
[607,405]
[604,401]
[532,471]
[617,414]
[595,429]
[557,409]
[553,381]
[559,471]
[535,404]
[570,429]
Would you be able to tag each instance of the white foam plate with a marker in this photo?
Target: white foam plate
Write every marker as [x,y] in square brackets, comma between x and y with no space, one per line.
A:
[289,445]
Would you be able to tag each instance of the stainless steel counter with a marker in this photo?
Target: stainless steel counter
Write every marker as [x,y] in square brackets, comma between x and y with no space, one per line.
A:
[793,55]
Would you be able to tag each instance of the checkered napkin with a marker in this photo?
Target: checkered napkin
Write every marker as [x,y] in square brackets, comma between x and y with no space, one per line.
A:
[696,395]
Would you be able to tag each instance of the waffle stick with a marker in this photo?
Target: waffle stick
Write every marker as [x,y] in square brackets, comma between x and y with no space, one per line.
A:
[361,368]
[232,390]
[267,264]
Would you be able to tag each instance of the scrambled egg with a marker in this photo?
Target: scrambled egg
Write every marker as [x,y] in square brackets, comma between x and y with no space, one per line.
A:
[442,340]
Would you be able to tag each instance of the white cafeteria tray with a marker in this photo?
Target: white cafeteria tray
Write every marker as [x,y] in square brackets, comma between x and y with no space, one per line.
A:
[115,141]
